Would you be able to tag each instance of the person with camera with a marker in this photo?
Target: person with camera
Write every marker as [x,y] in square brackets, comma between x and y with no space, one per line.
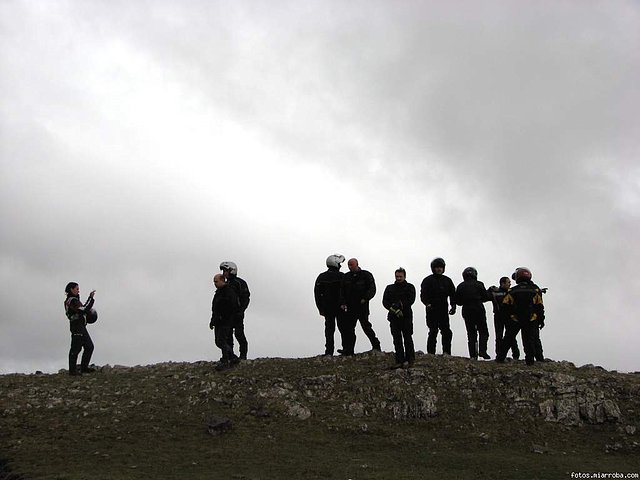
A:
[398,299]
[79,314]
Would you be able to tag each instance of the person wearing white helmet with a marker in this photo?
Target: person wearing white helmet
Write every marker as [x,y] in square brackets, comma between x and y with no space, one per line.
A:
[328,296]
[230,273]
[525,311]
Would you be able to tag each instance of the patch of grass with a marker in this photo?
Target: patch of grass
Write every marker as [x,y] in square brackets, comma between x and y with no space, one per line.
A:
[151,422]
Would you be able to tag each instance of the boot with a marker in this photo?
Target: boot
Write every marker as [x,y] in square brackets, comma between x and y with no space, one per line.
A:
[473,350]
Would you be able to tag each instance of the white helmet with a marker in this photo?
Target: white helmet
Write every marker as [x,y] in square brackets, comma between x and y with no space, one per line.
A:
[230,267]
[335,260]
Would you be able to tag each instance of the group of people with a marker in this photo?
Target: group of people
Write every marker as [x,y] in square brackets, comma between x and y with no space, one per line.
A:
[343,300]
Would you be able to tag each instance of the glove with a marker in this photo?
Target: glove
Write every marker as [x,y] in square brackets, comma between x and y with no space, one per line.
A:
[453,310]
[541,325]
[211,324]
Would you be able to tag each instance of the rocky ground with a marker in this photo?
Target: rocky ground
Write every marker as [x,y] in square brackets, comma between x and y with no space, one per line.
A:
[321,418]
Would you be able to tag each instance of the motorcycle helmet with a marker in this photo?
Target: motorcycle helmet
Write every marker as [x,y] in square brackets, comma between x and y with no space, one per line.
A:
[470,273]
[335,260]
[91,316]
[522,274]
[230,267]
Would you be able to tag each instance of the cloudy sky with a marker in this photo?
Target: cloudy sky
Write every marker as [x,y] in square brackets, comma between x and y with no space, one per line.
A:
[141,143]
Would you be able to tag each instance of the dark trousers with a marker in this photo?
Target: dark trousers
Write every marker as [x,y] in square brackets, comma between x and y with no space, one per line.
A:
[80,340]
[530,339]
[499,327]
[222,334]
[329,331]
[402,333]
[477,331]
[438,320]
[243,345]
[368,329]
[347,327]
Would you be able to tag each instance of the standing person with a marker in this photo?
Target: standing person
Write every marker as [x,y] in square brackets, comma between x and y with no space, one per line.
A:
[329,300]
[497,295]
[398,299]
[224,311]
[434,292]
[359,287]
[77,313]
[470,295]
[230,272]
[525,310]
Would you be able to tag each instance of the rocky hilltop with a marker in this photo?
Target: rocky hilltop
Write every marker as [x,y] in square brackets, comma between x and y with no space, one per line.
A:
[322,417]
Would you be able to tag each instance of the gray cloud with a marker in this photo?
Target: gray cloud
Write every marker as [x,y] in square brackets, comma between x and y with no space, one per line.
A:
[142,143]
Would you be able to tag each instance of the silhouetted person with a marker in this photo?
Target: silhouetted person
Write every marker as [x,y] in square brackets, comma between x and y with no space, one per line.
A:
[230,272]
[525,310]
[77,313]
[327,292]
[358,288]
[470,295]
[398,299]
[497,295]
[224,312]
[435,290]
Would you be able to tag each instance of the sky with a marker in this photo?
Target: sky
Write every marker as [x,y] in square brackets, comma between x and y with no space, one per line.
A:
[142,143]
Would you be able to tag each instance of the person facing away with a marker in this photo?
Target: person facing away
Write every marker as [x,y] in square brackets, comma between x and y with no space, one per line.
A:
[398,299]
[524,311]
[224,312]
[497,295]
[435,290]
[359,287]
[470,295]
[327,292]
[230,273]
[76,312]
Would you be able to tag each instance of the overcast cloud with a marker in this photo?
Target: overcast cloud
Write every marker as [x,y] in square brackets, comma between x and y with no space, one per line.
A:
[141,143]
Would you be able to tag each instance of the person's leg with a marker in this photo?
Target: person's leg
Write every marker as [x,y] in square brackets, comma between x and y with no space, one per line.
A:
[368,331]
[74,351]
[87,351]
[407,334]
[472,336]
[396,333]
[243,345]
[329,331]
[447,334]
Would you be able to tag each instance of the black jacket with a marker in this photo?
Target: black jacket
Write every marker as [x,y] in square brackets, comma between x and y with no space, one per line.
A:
[497,295]
[75,311]
[524,303]
[434,291]
[242,291]
[328,292]
[224,307]
[471,294]
[399,295]
[357,286]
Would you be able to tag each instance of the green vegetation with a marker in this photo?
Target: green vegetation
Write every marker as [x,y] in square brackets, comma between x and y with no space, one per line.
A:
[322,418]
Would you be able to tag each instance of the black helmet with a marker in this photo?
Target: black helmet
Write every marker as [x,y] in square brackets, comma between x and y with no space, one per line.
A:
[437,262]
[470,273]
[91,316]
